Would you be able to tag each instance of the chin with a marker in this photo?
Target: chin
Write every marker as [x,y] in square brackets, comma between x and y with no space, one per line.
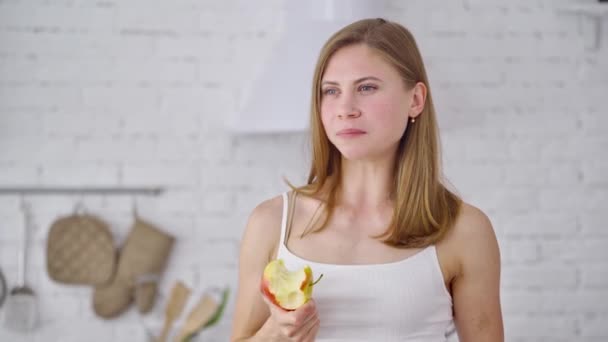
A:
[356,154]
[364,153]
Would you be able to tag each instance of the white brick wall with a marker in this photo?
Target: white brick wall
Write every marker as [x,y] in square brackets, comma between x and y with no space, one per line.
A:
[136,93]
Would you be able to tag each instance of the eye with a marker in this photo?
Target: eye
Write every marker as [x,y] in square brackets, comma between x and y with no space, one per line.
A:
[330,91]
[366,88]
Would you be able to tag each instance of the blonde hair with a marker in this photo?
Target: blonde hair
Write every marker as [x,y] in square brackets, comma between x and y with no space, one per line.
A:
[424,208]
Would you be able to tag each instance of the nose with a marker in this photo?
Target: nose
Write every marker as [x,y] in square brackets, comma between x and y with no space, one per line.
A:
[350,114]
[348,108]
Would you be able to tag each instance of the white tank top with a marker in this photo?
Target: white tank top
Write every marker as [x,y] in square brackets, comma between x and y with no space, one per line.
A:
[404,300]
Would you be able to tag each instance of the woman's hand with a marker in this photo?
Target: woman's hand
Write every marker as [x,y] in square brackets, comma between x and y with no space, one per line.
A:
[300,325]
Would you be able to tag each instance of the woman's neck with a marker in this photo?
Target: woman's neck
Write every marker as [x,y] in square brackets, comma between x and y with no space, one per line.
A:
[366,184]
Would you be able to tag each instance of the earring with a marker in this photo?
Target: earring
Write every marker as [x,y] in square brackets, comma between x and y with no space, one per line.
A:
[413,120]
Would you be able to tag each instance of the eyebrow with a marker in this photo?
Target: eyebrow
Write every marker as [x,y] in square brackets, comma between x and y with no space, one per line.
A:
[359,80]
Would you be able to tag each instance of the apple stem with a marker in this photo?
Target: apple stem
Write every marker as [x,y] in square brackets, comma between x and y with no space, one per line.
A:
[321,276]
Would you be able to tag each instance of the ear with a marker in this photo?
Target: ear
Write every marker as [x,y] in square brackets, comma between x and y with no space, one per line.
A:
[418,99]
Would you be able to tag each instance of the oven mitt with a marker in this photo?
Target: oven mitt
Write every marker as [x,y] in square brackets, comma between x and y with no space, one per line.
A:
[142,260]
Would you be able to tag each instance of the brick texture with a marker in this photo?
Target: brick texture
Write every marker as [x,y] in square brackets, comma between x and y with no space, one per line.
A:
[137,93]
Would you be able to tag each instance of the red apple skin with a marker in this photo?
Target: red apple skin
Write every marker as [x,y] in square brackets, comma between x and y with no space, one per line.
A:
[264,286]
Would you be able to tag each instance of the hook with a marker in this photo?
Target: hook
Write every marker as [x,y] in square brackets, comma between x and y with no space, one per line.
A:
[24,206]
[79,207]
[134,207]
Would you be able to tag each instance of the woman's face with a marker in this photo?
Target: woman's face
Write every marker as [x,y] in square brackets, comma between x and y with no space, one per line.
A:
[364,103]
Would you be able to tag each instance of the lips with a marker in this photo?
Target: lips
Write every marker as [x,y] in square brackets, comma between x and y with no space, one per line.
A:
[350,131]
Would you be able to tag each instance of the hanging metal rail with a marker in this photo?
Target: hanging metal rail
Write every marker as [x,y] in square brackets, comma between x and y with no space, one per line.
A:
[88,190]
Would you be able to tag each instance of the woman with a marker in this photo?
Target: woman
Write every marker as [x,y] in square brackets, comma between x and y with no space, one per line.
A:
[403,258]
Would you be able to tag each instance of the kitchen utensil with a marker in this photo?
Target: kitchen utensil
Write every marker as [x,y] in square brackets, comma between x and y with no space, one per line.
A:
[201,314]
[175,305]
[21,312]
[2,288]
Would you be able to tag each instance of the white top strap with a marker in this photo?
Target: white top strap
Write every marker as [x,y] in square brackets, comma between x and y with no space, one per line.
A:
[284,218]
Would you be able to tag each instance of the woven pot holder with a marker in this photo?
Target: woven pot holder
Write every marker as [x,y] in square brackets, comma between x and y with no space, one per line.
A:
[80,250]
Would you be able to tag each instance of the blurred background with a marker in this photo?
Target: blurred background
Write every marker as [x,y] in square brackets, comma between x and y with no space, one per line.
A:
[151,97]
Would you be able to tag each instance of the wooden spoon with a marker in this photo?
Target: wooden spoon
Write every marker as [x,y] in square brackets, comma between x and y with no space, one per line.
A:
[199,316]
[175,305]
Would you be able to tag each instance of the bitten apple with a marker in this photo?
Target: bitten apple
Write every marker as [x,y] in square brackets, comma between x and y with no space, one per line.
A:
[287,289]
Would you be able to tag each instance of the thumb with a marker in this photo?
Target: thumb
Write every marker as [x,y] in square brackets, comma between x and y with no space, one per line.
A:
[269,302]
[265,299]
[309,307]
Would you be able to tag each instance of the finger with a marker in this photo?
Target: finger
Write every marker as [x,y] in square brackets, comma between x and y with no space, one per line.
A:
[286,319]
[293,323]
[291,320]
[272,305]
[266,300]
[302,329]
[305,318]
[309,332]
[310,304]
[277,313]
[304,312]
[306,309]
[296,332]
[281,316]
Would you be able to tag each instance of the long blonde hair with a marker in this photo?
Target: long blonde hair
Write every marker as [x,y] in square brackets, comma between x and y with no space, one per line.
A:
[424,208]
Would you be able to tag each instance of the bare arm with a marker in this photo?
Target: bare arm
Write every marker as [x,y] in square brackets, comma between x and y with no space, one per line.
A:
[257,248]
[476,289]
[255,317]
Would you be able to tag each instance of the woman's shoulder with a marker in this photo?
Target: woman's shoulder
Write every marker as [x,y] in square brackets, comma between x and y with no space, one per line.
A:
[268,209]
[263,226]
[472,221]
[266,215]
[472,237]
